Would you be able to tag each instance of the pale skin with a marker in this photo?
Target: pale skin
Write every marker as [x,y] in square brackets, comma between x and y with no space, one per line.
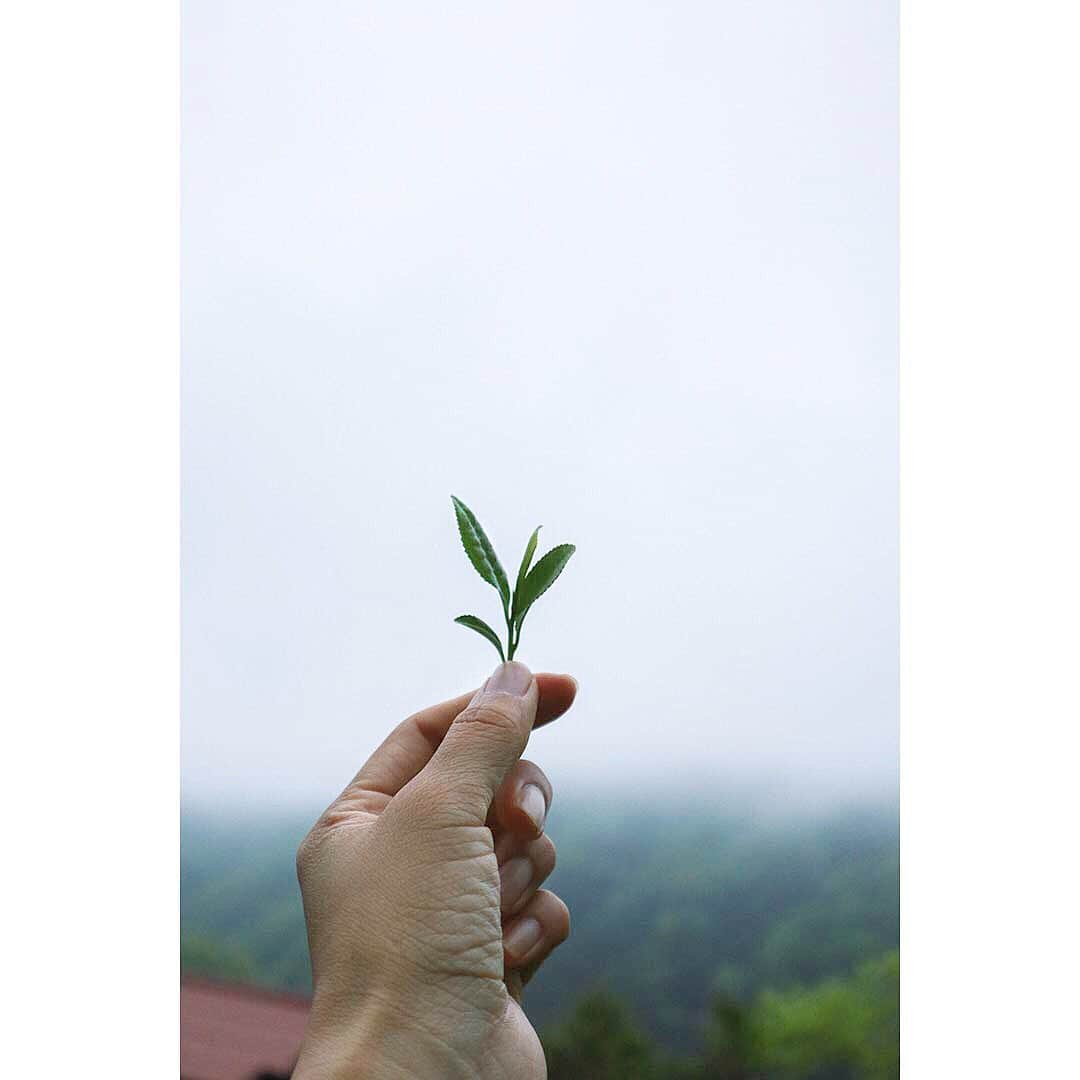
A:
[421,887]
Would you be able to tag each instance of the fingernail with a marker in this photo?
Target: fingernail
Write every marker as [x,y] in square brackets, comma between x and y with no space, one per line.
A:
[514,879]
[534,805]
[521,937]
[511,678]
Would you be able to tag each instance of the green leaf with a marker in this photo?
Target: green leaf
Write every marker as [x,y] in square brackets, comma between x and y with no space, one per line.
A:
[482,628]
[526,562]
[540,578]
[481,553]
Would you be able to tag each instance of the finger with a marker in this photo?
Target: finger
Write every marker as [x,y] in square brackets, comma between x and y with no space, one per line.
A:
[517,979]
[523,873]
[522,801]
[481,745]
[542,925]
[557,694]
[410,746]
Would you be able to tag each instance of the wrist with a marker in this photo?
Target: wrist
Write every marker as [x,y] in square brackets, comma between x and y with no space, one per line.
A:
[375,1040]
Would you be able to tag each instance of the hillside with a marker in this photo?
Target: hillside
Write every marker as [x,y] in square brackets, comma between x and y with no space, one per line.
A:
[673,910]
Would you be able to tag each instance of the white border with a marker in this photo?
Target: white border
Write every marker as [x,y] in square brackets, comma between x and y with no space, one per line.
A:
[989,540]
[89,547]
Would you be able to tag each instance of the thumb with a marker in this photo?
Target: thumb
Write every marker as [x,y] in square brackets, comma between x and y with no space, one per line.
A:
[485,739]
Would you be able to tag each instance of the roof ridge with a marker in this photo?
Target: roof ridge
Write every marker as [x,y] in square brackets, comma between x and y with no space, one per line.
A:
[246,990]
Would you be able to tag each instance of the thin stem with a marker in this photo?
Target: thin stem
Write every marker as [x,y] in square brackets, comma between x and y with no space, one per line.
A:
[517,638]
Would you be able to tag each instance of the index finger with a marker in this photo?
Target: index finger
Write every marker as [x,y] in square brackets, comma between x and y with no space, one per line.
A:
[410,746]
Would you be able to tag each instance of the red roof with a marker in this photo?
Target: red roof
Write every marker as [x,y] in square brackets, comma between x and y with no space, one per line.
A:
[233,1032]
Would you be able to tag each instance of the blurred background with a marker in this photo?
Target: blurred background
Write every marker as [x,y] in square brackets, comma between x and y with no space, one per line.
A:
[628,271]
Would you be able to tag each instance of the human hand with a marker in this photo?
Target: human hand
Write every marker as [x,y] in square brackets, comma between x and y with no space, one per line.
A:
[421,895]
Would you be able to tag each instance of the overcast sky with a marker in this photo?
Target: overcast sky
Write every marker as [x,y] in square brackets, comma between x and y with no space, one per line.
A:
[625,270]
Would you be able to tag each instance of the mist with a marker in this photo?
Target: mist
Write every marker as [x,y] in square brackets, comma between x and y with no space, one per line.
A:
[624,272]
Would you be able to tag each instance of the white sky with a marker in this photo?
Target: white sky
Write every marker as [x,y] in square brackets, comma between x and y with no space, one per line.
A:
[627,270]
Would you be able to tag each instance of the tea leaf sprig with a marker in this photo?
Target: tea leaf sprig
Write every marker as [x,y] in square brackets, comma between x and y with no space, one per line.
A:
[532,581]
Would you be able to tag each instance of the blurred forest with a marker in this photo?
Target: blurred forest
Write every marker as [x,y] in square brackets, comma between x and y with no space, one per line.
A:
[707,941]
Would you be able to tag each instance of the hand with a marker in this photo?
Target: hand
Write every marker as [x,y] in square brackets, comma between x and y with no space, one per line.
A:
[422,900]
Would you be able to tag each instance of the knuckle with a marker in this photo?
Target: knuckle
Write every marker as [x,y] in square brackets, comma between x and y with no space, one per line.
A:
[560,920]
[430,803]
[305,854]
[427,797]
[528,772]
[496,717]
[545,854]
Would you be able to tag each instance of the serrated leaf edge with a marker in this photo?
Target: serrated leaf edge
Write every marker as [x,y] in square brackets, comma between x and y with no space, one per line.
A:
[520,615]
[498,579]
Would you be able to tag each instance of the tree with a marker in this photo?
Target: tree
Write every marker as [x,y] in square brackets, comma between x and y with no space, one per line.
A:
[599,1041]
[729,1039]
[840,1028]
